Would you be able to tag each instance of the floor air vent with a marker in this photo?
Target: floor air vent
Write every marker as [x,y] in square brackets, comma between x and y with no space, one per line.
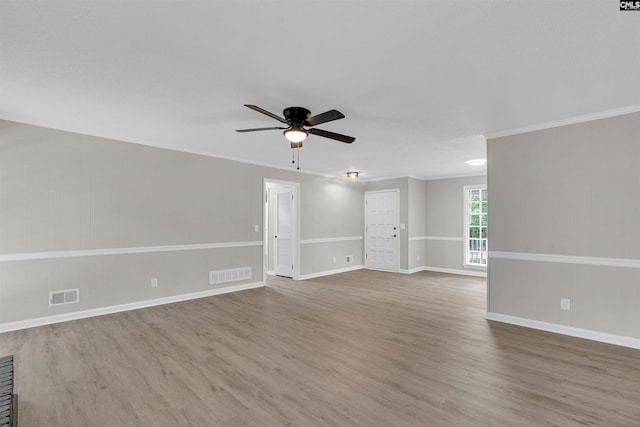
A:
[231,275]
[68,296]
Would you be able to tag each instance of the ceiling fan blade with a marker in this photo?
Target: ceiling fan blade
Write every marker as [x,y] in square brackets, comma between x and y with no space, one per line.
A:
[328,116]
[332,135]
[265,112]
[257,129]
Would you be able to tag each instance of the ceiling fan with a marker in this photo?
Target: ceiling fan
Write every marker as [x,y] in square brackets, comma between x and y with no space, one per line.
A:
[297,118]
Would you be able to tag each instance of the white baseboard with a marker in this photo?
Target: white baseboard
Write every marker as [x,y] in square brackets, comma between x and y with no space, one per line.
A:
[330,272]
[41,321]
[411,270]
[566,330]
[475,273]
[381,269]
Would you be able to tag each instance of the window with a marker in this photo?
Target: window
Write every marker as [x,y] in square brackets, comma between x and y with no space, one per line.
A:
[475,206]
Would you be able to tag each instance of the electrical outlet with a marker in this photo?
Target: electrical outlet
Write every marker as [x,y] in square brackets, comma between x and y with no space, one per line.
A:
[417,257]
[565,304]
[349,258]
[154,283]
[334,260]
[256,228]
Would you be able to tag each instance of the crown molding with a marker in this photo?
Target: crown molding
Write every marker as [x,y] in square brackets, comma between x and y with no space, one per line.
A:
[569,121]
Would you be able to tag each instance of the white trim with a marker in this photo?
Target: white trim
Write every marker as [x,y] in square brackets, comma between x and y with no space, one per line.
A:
[475,273]
[567,259]
[466,175]
[422,178]
[453,239]
[380,269]
[48,320]
[411,270]
[620,340]
[388,178]
[329,272]
[123,251]
[330,239]
[569,121]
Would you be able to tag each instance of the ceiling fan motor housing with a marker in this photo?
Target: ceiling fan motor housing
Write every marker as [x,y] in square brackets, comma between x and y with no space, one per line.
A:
[296,115]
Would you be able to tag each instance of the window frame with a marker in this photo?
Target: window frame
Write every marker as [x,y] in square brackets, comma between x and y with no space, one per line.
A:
[467,237]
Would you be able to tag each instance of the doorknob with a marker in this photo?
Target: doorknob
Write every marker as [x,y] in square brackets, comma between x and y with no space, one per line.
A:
[395,235]
[394,228]
[275,237]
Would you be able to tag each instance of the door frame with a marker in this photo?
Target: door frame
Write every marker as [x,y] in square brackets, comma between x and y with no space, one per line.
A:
[295,226]
[397,191]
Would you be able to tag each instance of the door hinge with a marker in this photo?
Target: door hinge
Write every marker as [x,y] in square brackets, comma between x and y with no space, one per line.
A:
[366,256]
[266,197]
[292,197]
[292,267]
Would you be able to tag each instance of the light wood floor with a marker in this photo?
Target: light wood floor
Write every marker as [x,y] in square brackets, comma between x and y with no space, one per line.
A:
[356,349]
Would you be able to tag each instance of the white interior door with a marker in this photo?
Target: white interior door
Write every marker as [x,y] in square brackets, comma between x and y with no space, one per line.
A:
[381,229]
[283,233]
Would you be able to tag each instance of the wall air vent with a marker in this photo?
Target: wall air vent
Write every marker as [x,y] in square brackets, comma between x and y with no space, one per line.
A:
[68,296]
[232,275]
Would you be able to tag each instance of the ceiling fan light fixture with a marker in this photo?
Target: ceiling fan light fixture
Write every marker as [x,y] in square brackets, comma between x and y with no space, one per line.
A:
[295,134]
[353,174]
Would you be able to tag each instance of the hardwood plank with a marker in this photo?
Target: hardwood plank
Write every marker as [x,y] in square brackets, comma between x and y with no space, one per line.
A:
[362,348]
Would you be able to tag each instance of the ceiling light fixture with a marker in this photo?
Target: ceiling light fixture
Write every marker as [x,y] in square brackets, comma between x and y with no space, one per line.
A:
[295,134]
[476,162]
[353,174]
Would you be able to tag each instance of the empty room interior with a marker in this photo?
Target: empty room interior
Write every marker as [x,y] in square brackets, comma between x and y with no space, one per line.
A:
[342,213]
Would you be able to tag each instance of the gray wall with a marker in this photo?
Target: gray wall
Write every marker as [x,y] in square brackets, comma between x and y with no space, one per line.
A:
[417,216]
[333,208]
[61,191]
[445,219]
[567,192]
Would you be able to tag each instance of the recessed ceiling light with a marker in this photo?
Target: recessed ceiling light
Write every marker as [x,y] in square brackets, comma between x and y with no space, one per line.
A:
[476,162]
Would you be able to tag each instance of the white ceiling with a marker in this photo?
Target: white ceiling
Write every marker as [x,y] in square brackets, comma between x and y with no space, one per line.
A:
[420,82]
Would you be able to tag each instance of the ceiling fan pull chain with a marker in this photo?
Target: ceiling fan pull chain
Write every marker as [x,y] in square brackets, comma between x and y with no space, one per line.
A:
[293,156]
[298,158]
